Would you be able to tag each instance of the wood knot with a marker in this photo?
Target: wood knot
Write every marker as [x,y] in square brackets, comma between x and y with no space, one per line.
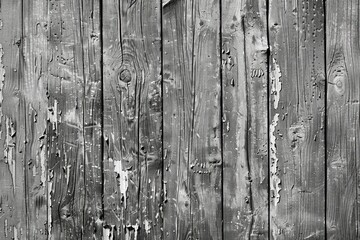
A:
[339,84]
[125,76]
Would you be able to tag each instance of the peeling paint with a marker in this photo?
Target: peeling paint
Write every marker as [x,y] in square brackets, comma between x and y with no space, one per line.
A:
[122,177]
[52,114]
[147,224]
[108,232]
[275,180]
[9,148]
[275,83]
[2,78]
[132,228]
[49,221]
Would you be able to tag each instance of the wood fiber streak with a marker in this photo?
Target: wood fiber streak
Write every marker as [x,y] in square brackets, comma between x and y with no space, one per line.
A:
[343,132]
[14,194]
[245,70]
[297,115]
[34,45]
[133,119]
[178,96]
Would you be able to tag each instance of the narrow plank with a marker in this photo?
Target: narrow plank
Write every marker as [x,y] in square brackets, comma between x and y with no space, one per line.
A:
[120,132]
[65,121]
[177,102]
[205,159]
[297,150]
[87,21]
[13,198]
[343,92]
[35,87]
[148,56]
[245,142]
[132,119]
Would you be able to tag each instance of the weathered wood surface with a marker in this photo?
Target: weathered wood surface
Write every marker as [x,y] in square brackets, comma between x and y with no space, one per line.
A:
[245,71]
[297,107]
[343,93]
[179,119]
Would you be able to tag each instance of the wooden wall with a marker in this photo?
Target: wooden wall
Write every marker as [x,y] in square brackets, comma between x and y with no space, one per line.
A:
[179,119]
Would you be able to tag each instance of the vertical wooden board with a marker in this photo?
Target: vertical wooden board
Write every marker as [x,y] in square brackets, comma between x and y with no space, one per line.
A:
[148,55]
[35,87]
[121,120]
[245,172]
[65,121]
[297,155]
[205,141]
[14,221]
[343,92]
[87,21]
[132,98]
[177,39]
[120,132]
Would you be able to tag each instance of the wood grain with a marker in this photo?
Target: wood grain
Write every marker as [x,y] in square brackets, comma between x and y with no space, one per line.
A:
[133,119]
[14,194]
[343,92]
[179,119]
[178,96]
[245,72]
[35,76]
[205,138]
[297,111]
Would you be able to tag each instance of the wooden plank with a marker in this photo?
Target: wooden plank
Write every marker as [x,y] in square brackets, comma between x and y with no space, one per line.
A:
[192,113]
[178,99]
[297,155]
[35,87]
[343,92]
[13,204]
[245,142]
[66,136]
[132,98]
[150,118]
[205,138]
[88,20]
[120,133]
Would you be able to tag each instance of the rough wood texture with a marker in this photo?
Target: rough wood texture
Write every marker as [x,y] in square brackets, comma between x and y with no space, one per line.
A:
[133,119]
[179,119]
[177,86]
[297,155]
[244,62]
[343,92]
[35,81]
[14,201]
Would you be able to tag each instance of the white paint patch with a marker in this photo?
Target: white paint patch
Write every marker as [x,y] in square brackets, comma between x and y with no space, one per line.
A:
[108,232]
[275,83]
[42,156]
[2,77]
[49,220]
[15,234]
[123,179]
[9,149]
[274,179]
[147,226]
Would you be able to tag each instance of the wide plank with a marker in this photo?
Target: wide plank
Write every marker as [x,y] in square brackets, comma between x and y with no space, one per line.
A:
[245,118]
[343,93]
[297,119]
[132,119]
[14,196]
